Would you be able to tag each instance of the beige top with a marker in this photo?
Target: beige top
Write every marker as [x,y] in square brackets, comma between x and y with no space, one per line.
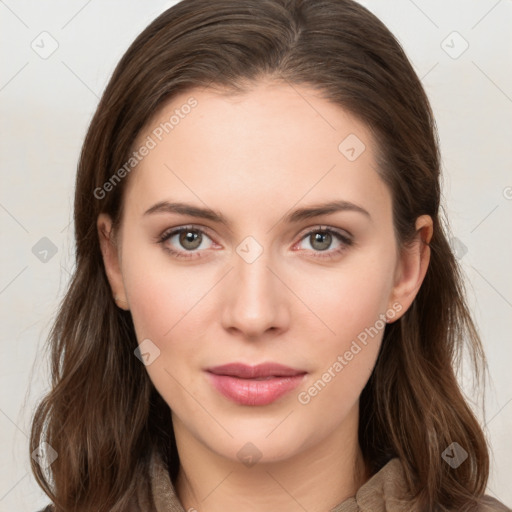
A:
[385,491]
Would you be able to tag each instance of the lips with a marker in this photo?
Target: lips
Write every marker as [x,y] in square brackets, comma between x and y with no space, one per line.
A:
[264,370]
[254,385]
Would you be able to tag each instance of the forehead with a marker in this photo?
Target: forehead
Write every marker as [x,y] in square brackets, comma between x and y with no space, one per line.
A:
[272,145]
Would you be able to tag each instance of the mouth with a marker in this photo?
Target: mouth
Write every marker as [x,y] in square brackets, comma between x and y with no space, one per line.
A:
[254,385]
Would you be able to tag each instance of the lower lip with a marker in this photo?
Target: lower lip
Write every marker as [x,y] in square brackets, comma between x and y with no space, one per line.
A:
[252,391]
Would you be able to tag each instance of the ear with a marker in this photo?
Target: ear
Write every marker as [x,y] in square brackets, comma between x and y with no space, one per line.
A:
[111,259]
[412,266]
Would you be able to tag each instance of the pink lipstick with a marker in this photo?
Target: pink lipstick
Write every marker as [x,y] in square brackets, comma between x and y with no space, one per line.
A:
[254,385]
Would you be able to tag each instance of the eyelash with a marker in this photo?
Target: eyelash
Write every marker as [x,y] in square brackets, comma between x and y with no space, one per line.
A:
[345,240]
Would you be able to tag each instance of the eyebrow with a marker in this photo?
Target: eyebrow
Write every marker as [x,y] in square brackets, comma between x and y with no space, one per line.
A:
[297,215]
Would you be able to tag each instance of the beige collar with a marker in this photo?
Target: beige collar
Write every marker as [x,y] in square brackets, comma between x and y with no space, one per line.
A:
[383,492]
[386,491]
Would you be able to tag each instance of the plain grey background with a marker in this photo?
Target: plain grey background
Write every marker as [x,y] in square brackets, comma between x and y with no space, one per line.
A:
[56,58]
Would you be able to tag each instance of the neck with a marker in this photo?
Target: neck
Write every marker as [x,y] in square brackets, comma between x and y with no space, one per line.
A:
[315,479]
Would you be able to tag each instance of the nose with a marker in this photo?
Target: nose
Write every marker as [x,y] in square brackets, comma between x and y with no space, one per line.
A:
[254,299]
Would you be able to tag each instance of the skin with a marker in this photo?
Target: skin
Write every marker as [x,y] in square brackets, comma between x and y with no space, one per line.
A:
[254,158]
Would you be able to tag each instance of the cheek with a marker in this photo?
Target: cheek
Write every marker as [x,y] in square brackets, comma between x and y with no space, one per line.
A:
[161,293]
[354,309]
[349,299]
[352,304]
[165,301]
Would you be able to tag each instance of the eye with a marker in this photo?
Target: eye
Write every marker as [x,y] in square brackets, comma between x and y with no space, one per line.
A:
[188,241]
[185,239]
[325,240]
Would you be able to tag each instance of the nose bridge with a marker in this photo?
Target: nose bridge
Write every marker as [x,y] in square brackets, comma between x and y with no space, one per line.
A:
[255,301]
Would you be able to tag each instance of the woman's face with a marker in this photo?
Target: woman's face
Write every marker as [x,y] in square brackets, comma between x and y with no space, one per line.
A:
[287,257]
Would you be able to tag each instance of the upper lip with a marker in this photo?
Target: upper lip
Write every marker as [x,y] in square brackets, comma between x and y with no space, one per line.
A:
[245,371]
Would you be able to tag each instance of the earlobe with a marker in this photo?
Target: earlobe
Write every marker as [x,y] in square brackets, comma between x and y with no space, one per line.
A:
[111,260]
[412,265]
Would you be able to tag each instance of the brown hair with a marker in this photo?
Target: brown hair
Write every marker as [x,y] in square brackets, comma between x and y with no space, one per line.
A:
[103,416]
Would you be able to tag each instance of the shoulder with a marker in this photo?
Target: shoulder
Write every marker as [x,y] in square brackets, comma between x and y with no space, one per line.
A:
[489,504]
[388,486]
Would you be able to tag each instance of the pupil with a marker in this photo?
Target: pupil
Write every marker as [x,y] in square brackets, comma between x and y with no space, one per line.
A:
[324,240]
[190,239]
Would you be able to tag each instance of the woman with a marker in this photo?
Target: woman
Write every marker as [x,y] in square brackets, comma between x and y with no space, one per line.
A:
[265,311]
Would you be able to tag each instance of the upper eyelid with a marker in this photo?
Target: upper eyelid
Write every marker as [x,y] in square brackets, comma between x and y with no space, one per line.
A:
[193,227]
[323,227]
